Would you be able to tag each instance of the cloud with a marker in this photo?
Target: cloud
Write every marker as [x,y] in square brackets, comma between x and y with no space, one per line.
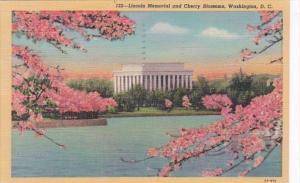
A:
[166,28]
[214,32]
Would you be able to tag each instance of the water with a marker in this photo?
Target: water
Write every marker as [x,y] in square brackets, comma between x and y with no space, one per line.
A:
[96,151]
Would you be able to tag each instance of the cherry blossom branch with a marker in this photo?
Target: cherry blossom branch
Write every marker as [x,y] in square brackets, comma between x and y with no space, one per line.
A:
[172,135]
[39,133]
[49,138]
[270,29]
[219,151]
[252,167]
[134,161]
[270,20]
[276,60]
[269,46]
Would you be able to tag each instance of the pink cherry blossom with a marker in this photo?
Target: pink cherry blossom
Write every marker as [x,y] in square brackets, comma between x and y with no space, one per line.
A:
[269,32]
[39,133]
[258,161]
[267,15]
[216,101]
[251,28]
[17,103]
[244,173]
[168,103]
[186,102]
[252,144]
[152,152]
[247,53]
[211,173]
[243,130]
[43,25]
[50,26]
[164,172]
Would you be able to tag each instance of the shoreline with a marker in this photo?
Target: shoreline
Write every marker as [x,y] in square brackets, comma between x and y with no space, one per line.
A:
[154,114]
[102,120]
[52,123]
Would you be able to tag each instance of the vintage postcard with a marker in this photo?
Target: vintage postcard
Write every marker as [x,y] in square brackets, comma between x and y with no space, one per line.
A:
[131,91]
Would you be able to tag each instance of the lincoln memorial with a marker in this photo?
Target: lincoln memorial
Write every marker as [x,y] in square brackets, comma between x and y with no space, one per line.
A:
[152,76]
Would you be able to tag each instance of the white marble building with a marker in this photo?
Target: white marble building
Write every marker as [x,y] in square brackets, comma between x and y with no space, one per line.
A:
[152,76]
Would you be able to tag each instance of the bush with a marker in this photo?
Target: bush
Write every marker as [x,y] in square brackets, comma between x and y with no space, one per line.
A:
[111,110]
[125,102]
[103,87]
[243,88]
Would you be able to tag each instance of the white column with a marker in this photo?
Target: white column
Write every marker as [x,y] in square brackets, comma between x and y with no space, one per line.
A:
[164,83]
[182,81]
[146,82]
[115,84]
[138,81]
[169,82]
[134,80]
[126,83]
[154,82]
[159,82]
[173,81]
[177,81]
[186,82]
[121,84]
[191,82]
[151,84]
[141,80]
[130,82]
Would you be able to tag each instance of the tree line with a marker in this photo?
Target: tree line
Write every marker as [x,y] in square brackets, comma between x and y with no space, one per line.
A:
[241,88]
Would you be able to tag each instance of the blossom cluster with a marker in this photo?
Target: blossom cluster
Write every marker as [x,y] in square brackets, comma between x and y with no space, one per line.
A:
[66,98]
[216,101]
[211,173]
[186,102]
[267,16]
[42,86]
[168,104]
[247,53]
[17,103]
[31,61]
[70,100]
[44,25]
[244,132]
[270,29]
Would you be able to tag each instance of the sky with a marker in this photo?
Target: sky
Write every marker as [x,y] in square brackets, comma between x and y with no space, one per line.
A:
[207,42]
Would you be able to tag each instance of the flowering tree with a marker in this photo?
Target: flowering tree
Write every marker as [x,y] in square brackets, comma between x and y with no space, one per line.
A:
[186,102]
[38,88]
[168,104]
[247,134]
[269,33]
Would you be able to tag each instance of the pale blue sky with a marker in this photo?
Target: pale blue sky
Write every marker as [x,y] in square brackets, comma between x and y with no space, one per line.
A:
[190,37]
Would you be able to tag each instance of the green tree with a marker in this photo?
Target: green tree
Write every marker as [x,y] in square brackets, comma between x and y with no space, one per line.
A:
[262,85]
[240,89]
[177,94]
[201,84]
[158,98]
[125,102]
[103,87]
[200,89]
[138,94]
[218,86]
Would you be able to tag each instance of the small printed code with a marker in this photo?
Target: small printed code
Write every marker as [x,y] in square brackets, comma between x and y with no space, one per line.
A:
[270,180]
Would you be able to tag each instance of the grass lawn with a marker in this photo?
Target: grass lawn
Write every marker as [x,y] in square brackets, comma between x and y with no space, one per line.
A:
[153,111]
